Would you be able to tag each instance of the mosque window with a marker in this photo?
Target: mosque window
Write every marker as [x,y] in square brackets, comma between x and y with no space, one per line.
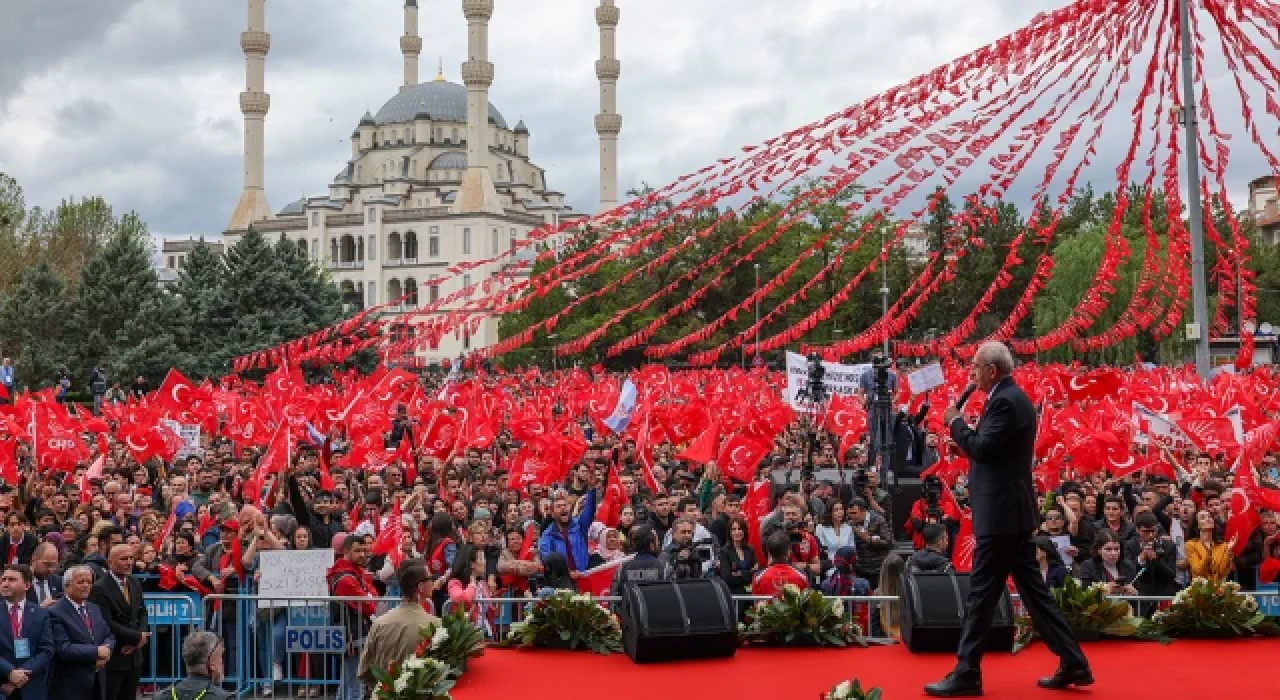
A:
[302,247]
[493,243]
[466,241]
[171,263]
[315,218]
[513,240]
[373,247]
[315,248]
[466,339]
[455,134]
[433,291]
[433,245]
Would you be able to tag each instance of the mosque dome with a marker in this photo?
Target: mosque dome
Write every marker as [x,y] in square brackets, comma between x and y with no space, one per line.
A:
[443,100]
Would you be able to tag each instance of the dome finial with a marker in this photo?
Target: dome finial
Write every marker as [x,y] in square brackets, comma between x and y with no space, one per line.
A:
[440,71]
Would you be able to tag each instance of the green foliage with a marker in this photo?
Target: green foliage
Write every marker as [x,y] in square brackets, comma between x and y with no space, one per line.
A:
[453,642]
[1208,609]
[34,318]
[851,690]
[805,618]
[567,620]
[1090,609]
[413,679]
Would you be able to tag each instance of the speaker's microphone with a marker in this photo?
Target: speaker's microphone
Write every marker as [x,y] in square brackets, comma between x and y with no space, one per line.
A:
[965,396]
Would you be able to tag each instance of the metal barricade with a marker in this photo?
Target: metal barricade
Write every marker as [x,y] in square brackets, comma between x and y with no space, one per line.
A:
[494,616]
[170,618]
[302,647]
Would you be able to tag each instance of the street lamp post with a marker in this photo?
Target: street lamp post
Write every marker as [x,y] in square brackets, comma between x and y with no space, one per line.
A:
[884,286]
[554,368]
[1199,293]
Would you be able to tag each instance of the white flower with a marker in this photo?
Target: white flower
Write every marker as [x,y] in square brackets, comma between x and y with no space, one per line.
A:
[401,684]
[440,637]
[837,608]
[581,598]
[843,690]
[413,663]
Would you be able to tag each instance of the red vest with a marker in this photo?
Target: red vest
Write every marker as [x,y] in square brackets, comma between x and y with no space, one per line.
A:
[437,565]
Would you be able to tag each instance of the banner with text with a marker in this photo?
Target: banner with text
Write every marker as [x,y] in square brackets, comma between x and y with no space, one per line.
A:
[838,379]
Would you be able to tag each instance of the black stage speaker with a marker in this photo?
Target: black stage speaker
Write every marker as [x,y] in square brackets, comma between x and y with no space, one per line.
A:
[677,620]
[931,613]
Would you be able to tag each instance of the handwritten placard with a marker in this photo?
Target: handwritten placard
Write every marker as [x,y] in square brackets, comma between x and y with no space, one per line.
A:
[294,573]
[926,378]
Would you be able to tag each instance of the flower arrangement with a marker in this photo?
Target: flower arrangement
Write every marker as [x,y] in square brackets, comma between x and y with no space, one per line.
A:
[1089,610]
[568,620]
[415,678]
[1208,609]
[801,618]
[851,690]
[453,642]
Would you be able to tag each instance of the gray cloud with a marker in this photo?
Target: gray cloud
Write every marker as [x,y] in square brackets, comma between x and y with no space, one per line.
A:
[137,100]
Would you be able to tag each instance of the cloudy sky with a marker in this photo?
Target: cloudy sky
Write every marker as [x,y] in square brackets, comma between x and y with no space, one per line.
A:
[137,100]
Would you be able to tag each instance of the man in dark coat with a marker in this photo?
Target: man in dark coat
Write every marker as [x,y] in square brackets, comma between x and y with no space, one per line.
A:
[120,598]
[17,544]
[1005,516]
[26,643]
[82,641]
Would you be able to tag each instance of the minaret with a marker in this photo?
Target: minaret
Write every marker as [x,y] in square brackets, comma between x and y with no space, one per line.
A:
[254,104]
[608,121]
[478,193]
[410,44]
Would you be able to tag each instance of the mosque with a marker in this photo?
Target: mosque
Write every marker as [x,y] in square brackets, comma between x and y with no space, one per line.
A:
[436,177]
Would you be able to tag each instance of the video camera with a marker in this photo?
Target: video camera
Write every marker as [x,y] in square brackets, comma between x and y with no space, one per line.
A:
[932,488]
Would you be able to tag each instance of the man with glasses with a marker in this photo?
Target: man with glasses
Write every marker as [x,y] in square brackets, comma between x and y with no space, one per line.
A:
[1005,516]
[1156,557]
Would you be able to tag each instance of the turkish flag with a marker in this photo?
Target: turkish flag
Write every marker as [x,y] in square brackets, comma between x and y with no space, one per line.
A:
[614,498]
[740,456]
[441,435]
[755,508]
[962,555]
[175,393]
[9,462]
[1094,385]
[389,540]
[598,581]
[705,447]
[845,416]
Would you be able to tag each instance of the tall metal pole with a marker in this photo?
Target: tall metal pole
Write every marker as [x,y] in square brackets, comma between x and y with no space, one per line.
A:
[1199,293]
[884,286]
[757,343]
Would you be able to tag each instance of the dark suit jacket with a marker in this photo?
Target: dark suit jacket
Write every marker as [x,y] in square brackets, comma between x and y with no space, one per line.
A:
[26,547]
[1001,489]
[127,620]
[76,649]
[55,587]
[37,629]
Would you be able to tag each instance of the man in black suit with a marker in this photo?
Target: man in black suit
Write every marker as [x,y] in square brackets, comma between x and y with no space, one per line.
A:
[46,584]
[120,598]
[1003,500]
[82,641]
[16,544]
[26,639]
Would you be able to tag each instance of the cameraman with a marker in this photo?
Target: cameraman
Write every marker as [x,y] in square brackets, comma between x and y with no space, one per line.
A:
[931,509]
[1157,560]
[874,540]
[644,566]
[685,557]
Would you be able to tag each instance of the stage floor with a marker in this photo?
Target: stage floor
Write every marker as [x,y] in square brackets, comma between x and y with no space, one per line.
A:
[1124,671]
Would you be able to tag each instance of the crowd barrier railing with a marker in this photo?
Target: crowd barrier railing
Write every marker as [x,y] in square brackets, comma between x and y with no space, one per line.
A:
[309,647]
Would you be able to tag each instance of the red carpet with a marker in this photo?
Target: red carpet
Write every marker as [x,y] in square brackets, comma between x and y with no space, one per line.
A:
[1124,671]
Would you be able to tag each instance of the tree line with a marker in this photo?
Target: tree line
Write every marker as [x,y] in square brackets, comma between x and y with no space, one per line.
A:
[78,290]
[1077,248]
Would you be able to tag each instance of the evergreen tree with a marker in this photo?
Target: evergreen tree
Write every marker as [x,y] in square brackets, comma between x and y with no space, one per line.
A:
[118,287]
[204,308]
[34,319]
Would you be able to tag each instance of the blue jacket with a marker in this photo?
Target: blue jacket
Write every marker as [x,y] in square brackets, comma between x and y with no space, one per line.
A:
[37,629]
[76,650]
[553,541]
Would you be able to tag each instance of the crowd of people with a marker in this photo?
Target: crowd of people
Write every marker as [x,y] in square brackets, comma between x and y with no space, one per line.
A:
[112,529]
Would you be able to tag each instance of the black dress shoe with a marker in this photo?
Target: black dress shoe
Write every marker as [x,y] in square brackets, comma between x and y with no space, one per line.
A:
[955,686]
[1065,677]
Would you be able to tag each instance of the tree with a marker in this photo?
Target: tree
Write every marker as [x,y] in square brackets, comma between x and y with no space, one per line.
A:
[204,307]
[33,319]
[121,313]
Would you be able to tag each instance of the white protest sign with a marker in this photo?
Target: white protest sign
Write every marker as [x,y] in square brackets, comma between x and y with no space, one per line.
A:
[926,378]
[294,573]
[841,380]
[190,435]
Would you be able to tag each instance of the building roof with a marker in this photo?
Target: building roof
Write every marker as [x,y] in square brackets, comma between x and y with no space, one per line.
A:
[294,208]
[443,100]
[449,160]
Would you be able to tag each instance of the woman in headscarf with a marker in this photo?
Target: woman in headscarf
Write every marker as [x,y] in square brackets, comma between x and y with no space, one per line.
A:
[608,547]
